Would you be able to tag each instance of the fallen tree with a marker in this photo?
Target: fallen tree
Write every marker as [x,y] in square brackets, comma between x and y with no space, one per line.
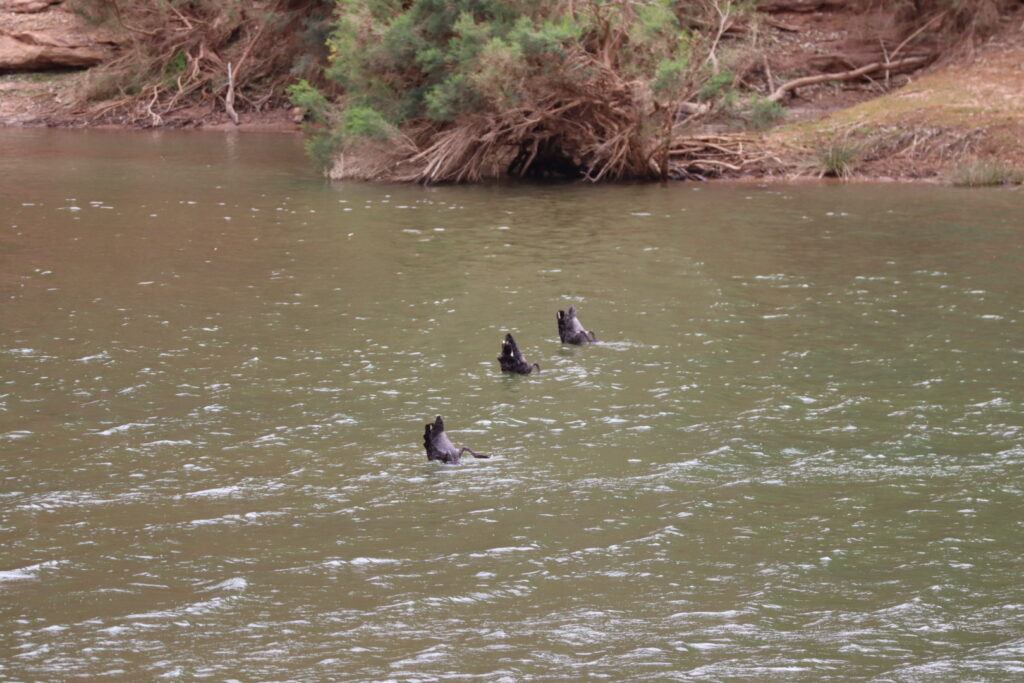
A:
[889,67]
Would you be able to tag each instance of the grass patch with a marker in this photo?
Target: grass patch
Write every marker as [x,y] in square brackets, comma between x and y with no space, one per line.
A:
[838,159]
[962,124]
[986,172]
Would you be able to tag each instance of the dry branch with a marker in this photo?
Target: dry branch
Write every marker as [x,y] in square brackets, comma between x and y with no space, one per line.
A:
[229,98]
[775,23]
[898,65]
[698,157]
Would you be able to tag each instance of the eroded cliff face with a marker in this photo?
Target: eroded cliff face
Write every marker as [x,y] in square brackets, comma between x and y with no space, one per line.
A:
[37,39]
[40,35]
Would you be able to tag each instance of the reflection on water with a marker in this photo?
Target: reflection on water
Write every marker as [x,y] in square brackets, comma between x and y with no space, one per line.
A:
[797,452]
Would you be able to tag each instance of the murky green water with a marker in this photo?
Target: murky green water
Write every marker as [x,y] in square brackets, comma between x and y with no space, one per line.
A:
[797,454]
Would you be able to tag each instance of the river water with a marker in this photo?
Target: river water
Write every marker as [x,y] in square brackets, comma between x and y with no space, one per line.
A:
[797,452]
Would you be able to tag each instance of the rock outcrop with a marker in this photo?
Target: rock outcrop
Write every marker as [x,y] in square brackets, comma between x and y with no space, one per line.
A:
[38,35]
[26,6]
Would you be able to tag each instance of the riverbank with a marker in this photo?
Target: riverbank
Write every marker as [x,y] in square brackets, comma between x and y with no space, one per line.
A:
[960,120]
[956,122]
[41,99]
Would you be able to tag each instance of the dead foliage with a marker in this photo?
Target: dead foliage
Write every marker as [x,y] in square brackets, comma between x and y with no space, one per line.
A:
[935,143]
[908,150]
[594,129]
[186,61]
[699,157]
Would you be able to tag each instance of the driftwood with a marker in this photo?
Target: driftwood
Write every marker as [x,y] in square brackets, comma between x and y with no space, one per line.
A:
[897,65]
[698,157]
[229,98]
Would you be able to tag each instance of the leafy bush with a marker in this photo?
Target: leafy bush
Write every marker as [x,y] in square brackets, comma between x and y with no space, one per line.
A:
[586,88]
[716,86]
[761,114]
[311,100]
[366,123]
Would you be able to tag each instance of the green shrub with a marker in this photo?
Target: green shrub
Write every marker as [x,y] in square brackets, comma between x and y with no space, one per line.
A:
[364,122]
[316,106]
[177,64]
[760,114]
[716,86]
[321,145]
[591,86]
[453,96]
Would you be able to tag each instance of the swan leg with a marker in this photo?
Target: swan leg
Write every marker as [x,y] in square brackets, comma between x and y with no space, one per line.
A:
[471,452]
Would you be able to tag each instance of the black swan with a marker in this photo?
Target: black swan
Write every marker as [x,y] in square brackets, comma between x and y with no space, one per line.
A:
[570,331]
[440,448]
[511,358]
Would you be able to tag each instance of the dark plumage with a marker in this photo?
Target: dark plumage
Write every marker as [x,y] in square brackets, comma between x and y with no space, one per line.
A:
[570,331]
[439,447]
[511,358]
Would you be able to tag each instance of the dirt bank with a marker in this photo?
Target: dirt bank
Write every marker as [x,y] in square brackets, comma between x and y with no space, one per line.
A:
[40,99]
[48,49]
[967,111]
